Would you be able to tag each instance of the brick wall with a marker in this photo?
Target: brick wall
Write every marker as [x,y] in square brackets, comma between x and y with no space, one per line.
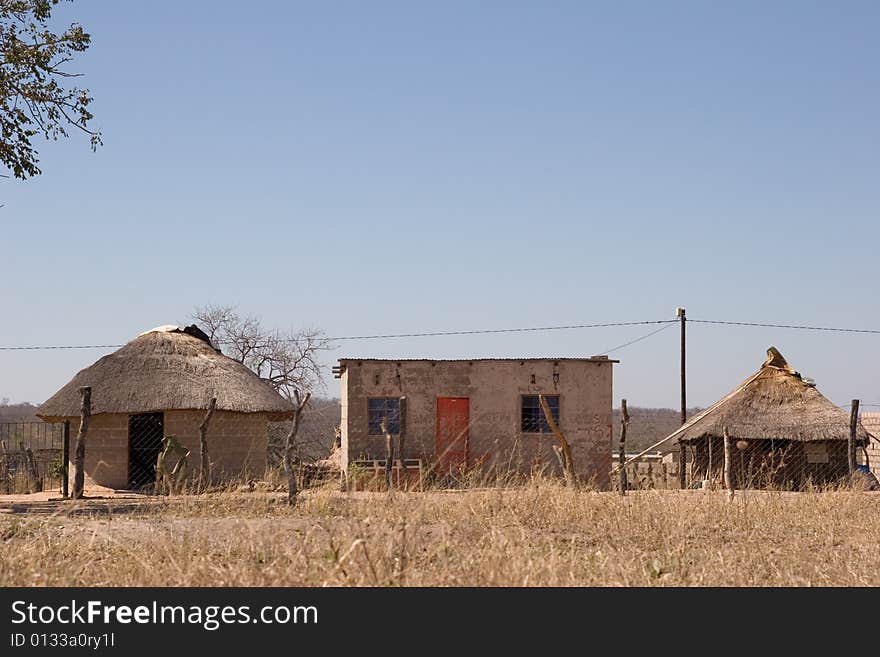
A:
[236,445]
[236,441]
[106,462]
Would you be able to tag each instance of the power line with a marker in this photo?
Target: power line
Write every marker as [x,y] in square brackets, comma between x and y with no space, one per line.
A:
[510,330]
[395,335]
[787,326]
[639,339]
[428,334]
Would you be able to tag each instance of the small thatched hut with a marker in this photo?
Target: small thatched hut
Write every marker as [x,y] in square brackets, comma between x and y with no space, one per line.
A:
[783,432]
[160,384]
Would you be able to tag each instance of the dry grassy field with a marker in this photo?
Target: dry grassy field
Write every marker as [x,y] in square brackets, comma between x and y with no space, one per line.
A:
[541,534]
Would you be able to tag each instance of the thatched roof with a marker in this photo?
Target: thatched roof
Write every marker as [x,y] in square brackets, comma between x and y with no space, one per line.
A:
[774,403]
[167,368]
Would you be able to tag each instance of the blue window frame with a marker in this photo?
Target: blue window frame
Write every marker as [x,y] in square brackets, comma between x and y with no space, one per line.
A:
[380,407]
[532,418]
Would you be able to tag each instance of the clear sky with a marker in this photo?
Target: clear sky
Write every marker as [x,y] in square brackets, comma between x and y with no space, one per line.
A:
[369,167]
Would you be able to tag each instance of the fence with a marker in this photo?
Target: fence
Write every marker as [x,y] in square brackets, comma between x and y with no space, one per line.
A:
[820,458]
[30,457]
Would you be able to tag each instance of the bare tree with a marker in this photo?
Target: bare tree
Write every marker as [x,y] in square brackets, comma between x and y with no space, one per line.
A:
[290,452]
[204,461]
[79,472]
[286,361]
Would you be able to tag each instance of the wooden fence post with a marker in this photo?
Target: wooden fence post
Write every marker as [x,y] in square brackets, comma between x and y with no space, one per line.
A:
[385,425]
[710,477]
[400,440]
[621,457]
[4,466]
[79,456]
[32,477]
[32,470]
[728,480]
[204,465]
[682,465]
[290,445]
[568,470]
[853,434]
[65,459]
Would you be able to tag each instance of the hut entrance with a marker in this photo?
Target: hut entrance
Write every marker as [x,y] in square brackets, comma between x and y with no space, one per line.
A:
[145,433]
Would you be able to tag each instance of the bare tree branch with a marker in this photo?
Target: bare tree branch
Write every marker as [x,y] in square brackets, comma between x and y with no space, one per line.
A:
[286,361]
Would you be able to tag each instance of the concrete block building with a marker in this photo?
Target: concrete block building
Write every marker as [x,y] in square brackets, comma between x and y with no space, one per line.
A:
[480,413]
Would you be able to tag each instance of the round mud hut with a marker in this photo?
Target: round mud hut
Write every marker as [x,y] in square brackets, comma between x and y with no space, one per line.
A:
[783,433]
[160,384]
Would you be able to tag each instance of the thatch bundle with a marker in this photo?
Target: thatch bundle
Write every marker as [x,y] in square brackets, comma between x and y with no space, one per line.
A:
[775,403]
[169,368]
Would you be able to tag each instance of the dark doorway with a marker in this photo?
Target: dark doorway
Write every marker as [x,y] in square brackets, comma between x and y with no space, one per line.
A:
[145,433]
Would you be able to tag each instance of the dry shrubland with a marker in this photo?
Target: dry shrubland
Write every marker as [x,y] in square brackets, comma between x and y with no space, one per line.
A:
[539,534]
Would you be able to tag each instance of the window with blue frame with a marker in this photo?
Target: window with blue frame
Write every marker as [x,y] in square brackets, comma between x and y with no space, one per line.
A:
[381,407]
[532,418]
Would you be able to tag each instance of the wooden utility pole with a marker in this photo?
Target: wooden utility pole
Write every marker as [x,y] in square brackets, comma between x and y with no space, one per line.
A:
[79,456]
[680,313]
[853,435]
[621,458]
[728,480]
[204,465]
[682,454]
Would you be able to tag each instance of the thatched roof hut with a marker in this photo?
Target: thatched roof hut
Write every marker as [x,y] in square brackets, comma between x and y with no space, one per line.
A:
[165,368]
[160,384]
[778,420]
[775,402]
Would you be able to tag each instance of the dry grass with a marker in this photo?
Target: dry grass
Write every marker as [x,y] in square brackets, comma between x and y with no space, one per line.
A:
[541,534]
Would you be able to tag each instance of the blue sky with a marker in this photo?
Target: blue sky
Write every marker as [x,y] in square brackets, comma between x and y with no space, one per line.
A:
[407,166]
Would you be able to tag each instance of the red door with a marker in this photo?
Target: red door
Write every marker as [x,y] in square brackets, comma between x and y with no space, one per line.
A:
[451,445]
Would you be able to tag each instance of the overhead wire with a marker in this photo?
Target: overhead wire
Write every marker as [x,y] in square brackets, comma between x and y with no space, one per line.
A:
[424,334]
[393,335]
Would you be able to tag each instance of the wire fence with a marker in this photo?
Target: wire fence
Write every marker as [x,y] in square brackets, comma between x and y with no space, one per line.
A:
[816,458]
[30,457]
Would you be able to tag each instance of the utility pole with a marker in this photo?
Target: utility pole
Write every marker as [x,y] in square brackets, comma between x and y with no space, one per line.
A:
[680,313]
[682,456]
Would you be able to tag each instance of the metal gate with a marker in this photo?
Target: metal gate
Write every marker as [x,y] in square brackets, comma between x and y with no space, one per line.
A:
[145,433]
